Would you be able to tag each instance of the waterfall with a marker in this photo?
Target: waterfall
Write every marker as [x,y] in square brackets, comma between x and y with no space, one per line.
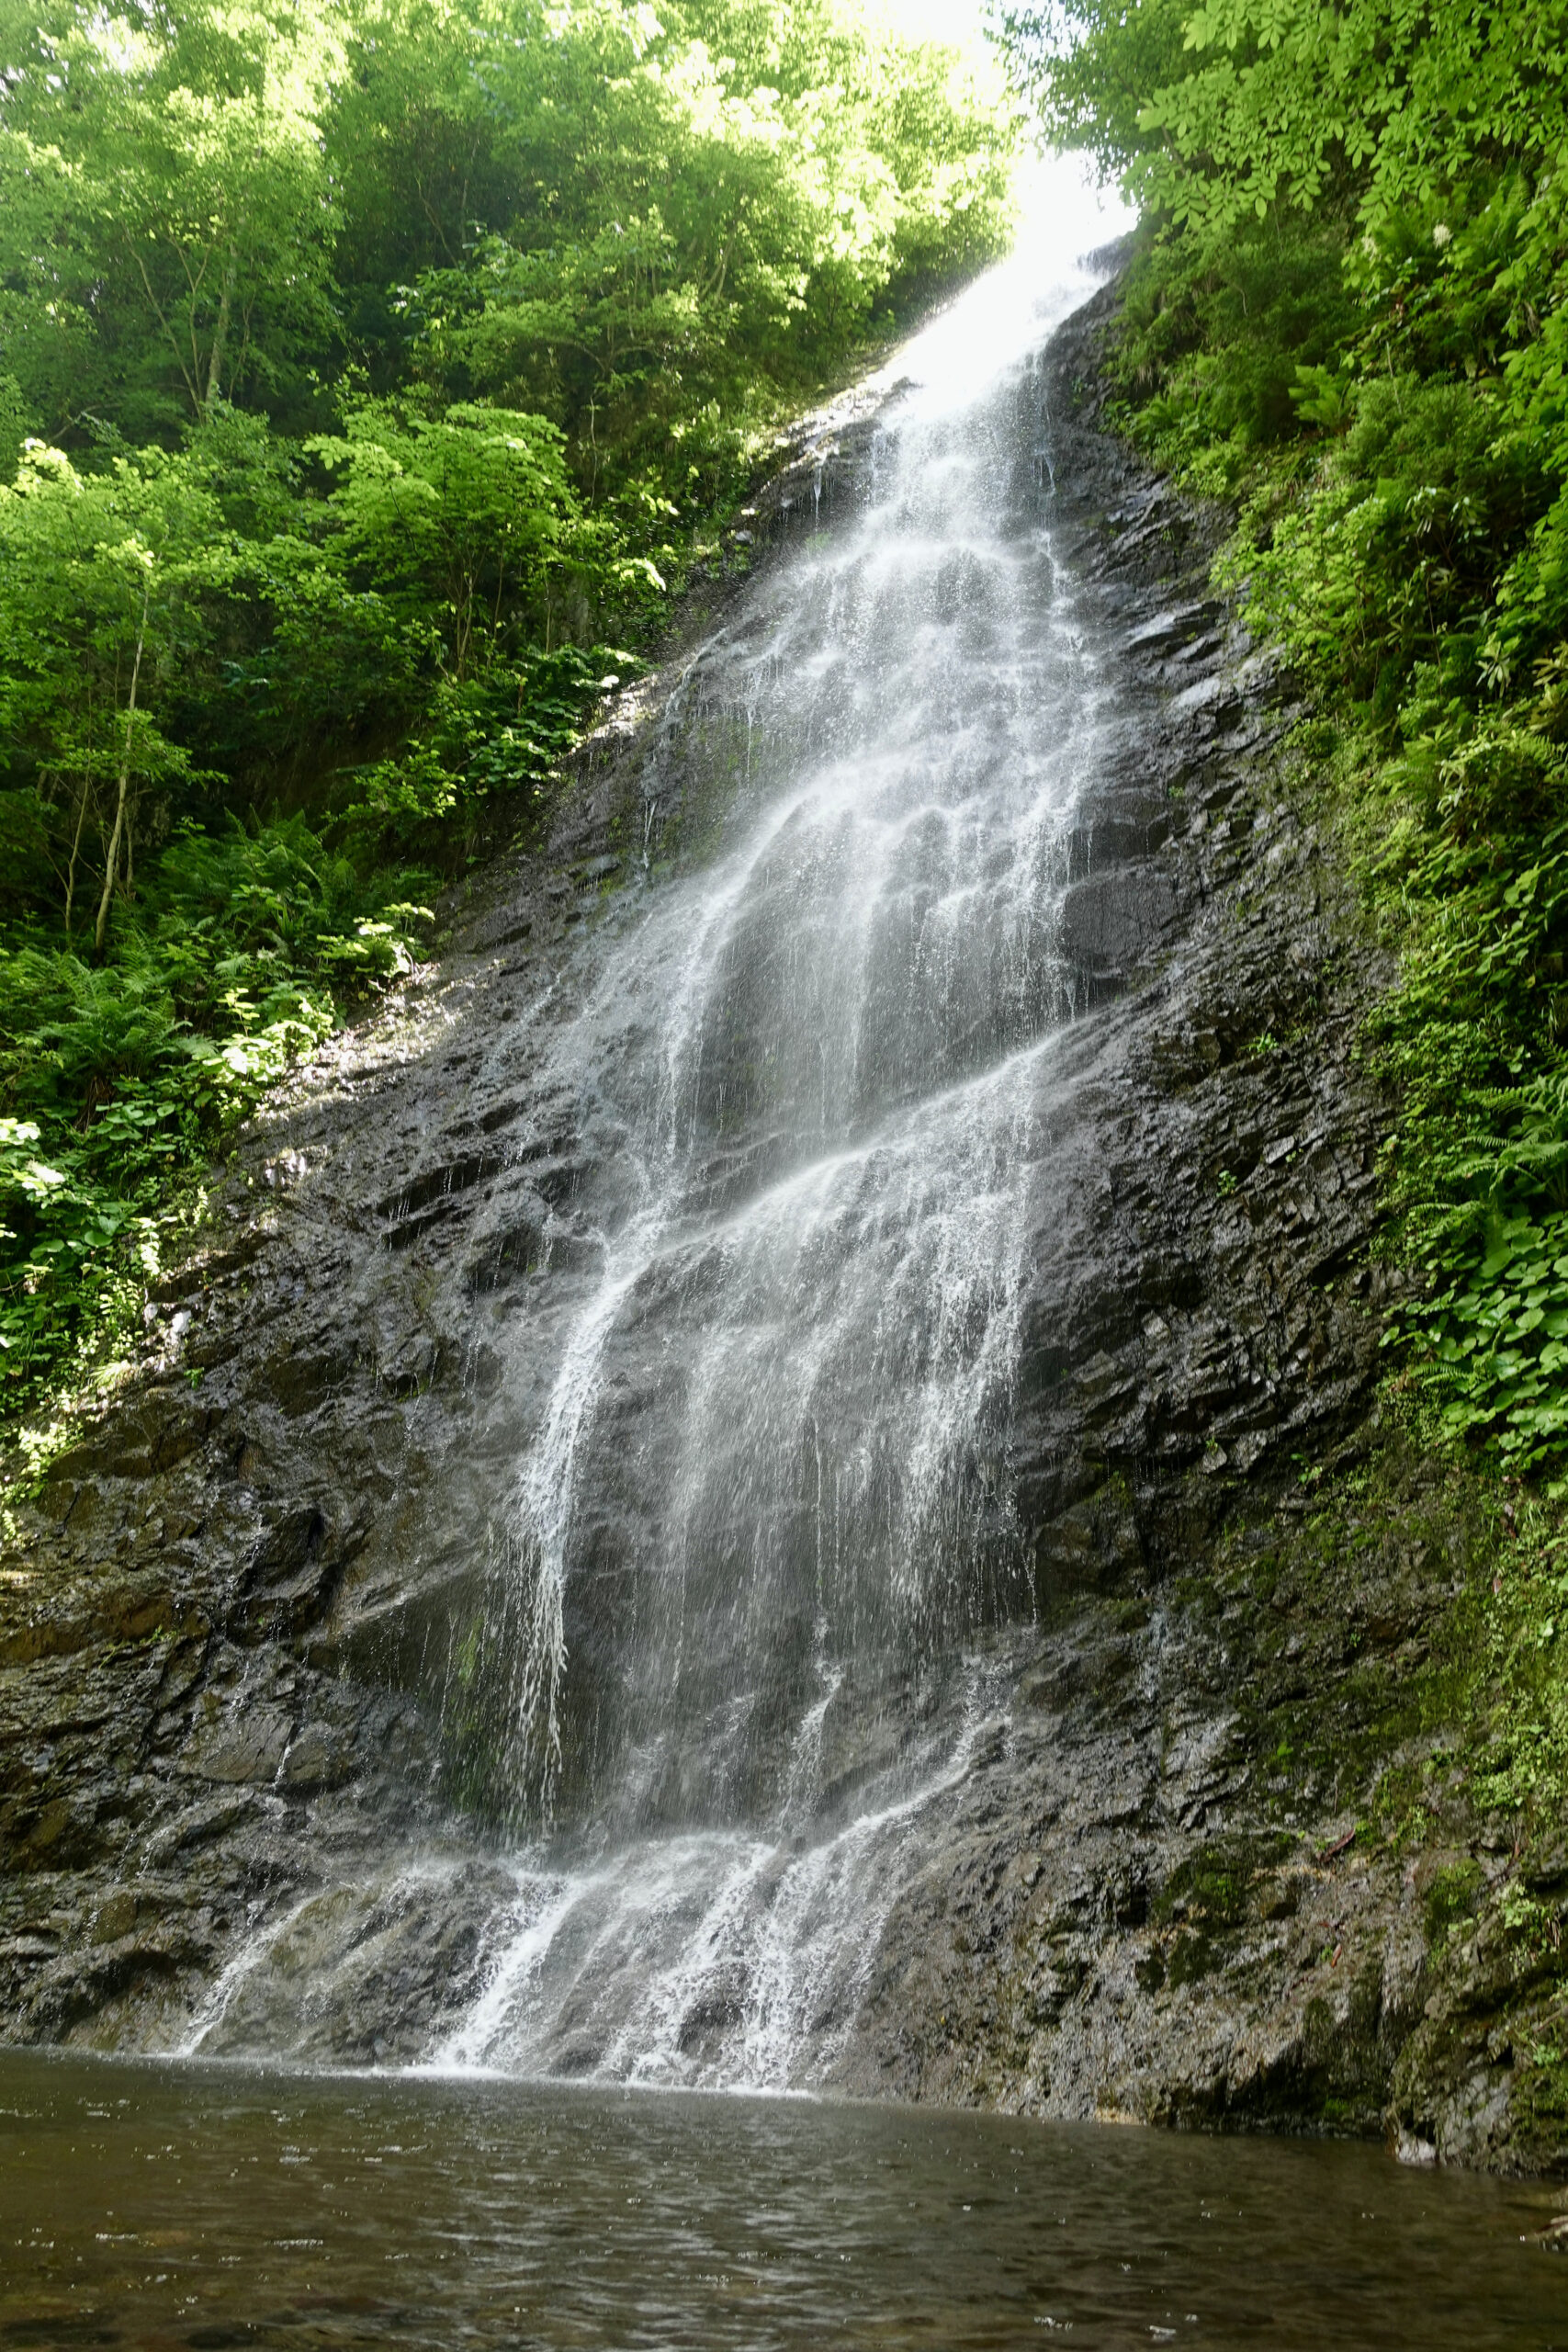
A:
[770,1479]
[761,1527]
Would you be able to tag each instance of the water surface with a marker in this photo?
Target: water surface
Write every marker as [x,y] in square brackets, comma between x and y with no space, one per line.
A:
[208,2206]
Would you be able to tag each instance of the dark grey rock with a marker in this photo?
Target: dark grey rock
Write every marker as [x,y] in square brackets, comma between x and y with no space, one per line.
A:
[241,1638]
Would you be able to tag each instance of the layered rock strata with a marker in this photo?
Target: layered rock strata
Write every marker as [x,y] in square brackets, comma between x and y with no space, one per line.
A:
[233,1623]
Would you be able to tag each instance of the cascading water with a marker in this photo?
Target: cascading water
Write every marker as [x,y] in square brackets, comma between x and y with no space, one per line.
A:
[763,1517]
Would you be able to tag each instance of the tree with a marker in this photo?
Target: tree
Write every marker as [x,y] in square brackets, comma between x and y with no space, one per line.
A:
[457,510]
[171,209]
[386,359]
[101,582]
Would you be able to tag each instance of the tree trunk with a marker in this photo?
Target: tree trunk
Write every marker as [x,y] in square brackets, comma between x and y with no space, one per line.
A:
[111,861]
[220,331]
[463,623]
[76,842]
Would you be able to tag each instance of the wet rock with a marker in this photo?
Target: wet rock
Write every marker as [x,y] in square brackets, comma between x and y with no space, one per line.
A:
[248,1647]
[370,1974]
[247,1744]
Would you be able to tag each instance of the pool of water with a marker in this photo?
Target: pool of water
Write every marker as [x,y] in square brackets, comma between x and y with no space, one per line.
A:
[187,2205]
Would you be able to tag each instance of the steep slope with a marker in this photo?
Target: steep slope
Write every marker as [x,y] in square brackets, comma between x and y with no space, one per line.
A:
[261,1707]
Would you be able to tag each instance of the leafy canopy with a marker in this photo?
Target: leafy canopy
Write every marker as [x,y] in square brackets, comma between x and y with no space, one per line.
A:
[369,369]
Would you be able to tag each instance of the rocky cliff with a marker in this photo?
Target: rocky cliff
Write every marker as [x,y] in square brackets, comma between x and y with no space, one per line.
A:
[242,1625]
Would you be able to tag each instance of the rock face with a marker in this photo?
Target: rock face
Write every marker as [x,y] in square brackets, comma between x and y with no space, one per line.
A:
[242,1632]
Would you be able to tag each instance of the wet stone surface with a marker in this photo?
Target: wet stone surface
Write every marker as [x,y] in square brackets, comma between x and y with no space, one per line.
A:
[242,1647]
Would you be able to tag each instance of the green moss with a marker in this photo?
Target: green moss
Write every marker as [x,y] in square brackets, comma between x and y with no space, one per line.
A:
[1423,1698]
[1190,1960]
[1452,1899]
[716,760]
[1213,1886]
[1539,2100]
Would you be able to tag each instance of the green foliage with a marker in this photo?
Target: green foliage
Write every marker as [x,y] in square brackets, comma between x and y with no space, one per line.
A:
[370,375]
[120,1079]
[1347,315]
[1237,108]
[1216,358]
[1521,1761]
[169,206]
[443,515]
[1498,1333]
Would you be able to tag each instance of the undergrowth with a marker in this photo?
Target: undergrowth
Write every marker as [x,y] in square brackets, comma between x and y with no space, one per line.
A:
[1379,492]
[123,1079]
[1346,316]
